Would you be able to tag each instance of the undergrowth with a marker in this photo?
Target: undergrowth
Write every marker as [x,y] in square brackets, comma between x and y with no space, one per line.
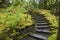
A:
[13,17]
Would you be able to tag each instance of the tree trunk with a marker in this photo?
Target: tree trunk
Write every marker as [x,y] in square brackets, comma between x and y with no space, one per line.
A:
[58,35]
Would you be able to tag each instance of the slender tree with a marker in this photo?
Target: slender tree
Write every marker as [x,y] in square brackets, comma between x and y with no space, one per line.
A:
[45,4]
[58,35]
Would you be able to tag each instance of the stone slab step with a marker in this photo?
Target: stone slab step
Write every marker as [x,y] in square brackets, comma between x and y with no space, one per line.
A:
[41,21]
[41,30]
[44,37]
[42,26]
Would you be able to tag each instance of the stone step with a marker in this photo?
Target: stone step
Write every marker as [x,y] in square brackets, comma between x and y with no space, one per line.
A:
[43,30]
[40,21]
[45,33]
[39,17]
[41,26]
[40,36]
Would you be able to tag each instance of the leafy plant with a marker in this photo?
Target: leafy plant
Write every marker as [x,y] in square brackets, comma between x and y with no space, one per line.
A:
[13,17]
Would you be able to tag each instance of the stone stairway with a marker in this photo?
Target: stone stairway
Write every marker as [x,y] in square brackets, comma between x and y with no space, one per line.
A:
[42,31]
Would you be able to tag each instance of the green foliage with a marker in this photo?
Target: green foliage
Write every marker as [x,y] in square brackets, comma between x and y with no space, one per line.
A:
[48,4]
[54,36]
[13,17]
